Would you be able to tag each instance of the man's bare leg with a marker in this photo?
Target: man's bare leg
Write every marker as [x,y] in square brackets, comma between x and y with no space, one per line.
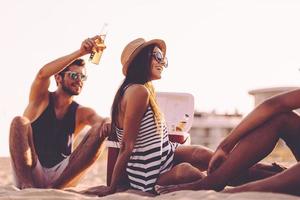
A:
[254,147]
[257,172]
[251,149]
[87,152]
[285,182]
[22,152]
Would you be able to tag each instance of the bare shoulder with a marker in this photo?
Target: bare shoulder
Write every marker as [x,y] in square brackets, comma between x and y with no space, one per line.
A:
[138,91]
[136,100]
[36,106]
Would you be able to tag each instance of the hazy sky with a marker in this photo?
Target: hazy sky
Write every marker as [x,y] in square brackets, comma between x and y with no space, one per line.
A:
[217,50]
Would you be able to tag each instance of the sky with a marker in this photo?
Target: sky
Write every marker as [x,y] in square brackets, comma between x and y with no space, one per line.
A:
[218,50]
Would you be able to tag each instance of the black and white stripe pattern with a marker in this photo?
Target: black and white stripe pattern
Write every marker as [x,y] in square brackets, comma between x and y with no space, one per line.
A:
[152,154]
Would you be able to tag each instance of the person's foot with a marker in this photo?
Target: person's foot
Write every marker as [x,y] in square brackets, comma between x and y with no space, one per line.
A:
[278,167]
[26,185]
[274,167]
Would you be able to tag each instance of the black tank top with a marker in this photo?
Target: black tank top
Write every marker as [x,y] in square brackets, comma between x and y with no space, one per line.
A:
[53,137]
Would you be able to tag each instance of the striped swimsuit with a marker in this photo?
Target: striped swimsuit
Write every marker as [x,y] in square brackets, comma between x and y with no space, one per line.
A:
[152,155]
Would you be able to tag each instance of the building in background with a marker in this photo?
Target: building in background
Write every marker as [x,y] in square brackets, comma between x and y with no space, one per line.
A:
[264,93]
[210,128]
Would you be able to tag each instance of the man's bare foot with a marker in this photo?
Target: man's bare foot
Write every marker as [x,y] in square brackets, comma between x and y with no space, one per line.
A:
[26,185]
[274,167]
[278,168]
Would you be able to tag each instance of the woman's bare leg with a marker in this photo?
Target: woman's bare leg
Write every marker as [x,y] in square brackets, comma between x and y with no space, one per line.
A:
[197,155]
[181,173]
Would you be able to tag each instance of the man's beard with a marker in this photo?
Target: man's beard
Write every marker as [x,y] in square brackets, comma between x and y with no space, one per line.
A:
[68,90]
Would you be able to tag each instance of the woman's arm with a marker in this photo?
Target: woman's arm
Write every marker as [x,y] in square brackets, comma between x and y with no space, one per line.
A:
[136,102]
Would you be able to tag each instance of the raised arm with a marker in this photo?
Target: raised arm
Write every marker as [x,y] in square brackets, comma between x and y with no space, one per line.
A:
[42,80]
[39,88]
[278,104]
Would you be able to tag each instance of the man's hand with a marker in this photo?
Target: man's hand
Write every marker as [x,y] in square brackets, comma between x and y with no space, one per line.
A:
[89,44]
[216,160]
[105,129]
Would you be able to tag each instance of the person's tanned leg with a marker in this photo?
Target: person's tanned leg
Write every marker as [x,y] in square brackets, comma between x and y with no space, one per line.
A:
[287,181]
[196,155]
[199,157]
[284,182]
[22,152]
[292,134]
[254,147]
[251,149]
[181,173]
[87,152]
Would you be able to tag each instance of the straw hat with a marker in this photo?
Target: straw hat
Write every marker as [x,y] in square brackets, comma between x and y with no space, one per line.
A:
[135,46]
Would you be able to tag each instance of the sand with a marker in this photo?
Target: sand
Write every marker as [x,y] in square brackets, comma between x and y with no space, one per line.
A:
[96,176]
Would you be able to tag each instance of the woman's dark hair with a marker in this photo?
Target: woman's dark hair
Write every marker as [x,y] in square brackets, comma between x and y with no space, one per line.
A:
[138,73]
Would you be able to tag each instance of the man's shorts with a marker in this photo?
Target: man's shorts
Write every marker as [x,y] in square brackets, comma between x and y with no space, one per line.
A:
[49,175]
[44,177]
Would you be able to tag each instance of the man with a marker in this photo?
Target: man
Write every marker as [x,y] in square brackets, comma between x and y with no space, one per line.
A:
[41,140]
[252,140]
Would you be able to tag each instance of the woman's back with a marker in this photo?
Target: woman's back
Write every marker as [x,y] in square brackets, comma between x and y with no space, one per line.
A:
[152,153]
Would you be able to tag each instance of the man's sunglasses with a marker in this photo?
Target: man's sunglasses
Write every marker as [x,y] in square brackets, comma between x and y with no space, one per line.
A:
[160,58]
[76,76]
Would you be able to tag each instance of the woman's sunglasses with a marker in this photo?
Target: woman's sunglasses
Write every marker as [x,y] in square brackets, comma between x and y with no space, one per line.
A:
[160,58]
[76,76]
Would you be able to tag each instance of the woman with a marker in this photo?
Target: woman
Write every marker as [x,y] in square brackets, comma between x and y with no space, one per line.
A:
[147,157]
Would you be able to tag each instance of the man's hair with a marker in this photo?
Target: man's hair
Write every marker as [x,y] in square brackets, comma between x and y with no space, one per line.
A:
[78,62]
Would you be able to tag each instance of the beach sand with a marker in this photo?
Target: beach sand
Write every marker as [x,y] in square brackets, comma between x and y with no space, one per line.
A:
[96,176]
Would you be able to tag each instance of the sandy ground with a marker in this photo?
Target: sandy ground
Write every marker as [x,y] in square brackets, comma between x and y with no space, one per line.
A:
[96,176]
